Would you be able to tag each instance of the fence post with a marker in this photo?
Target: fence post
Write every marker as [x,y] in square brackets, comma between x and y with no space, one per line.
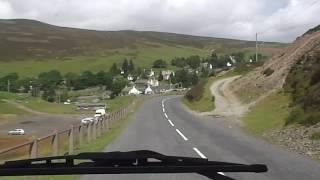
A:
[71,140]
[107,122]
[55,144]
[99,124]
[103,125]
[94,130]
[80,135]
[34,148]
[89,132]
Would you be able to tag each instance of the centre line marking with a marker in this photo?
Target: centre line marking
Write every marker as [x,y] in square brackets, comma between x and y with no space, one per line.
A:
[163,109]
[199,153]
[171,122]
[165,114]
[180,133]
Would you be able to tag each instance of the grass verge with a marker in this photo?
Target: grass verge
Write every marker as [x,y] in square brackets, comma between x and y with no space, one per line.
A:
[269,113]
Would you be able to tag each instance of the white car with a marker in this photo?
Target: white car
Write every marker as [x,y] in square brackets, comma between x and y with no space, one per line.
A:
[100,113]
[16,132]
[87,120]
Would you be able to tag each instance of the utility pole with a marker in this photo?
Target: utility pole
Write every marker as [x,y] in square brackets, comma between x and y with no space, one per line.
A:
[256,47]
[8,85]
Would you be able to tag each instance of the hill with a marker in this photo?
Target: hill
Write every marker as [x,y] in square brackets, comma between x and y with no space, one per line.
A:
[30,47]
[272,76]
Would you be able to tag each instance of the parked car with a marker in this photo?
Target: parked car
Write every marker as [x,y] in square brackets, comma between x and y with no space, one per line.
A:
[16,132]
[100,113]
[87,120]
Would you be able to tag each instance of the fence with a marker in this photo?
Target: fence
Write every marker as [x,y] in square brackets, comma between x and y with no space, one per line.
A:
[64,141]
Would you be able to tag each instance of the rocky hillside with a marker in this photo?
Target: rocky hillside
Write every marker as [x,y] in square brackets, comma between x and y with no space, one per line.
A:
[272,75]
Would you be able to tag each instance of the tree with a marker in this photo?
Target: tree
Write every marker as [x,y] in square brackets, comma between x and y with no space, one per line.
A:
[100,77]
[10,81]
[117,86]
[49,79]
[125,67]
[194,61]
[131,66]
[114,70]
[159,63]
[71,79]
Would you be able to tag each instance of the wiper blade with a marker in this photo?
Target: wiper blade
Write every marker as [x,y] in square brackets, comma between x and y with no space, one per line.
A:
[132,162]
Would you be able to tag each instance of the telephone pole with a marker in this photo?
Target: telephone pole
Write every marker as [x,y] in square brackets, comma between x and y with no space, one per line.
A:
[256,47]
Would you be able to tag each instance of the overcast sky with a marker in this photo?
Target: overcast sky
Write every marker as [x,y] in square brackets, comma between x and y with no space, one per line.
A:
[274,20]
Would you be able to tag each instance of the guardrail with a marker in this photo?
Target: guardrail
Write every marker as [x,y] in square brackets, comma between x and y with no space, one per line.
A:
[64,141]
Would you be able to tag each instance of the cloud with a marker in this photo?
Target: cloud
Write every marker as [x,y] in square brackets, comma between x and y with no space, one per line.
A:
[281,20]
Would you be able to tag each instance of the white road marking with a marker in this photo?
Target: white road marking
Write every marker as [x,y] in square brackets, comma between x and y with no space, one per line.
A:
[165,114]
[183,136]
[163,109]
[171,122]
[221,173]
[199,153]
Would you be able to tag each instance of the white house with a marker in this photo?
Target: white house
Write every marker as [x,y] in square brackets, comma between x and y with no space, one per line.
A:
[148,90]
[134,91]
[153,82]
[151,74]
[130,77]
[166,74]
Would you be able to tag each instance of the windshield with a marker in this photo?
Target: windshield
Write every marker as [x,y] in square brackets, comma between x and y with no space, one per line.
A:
[227,81]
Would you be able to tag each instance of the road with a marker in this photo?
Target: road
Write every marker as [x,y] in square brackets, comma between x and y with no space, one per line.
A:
[187,134]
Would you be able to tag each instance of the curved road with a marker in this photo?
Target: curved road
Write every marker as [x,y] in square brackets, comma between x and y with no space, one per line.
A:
[187,134]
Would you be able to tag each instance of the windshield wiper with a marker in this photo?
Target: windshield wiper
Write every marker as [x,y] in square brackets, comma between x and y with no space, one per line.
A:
[132,162]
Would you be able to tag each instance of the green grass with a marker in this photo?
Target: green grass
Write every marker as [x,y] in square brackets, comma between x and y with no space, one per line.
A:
[142,56]
[269,113]
[118,102]
[36,104]
[47,107]
[205,103]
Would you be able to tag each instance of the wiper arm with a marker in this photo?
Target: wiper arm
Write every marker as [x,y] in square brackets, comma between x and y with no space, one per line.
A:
[132,162]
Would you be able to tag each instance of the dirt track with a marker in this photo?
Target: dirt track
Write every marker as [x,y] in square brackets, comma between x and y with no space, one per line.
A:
[226,103]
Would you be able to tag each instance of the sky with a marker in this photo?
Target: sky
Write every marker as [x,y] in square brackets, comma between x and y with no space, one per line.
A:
[273,20]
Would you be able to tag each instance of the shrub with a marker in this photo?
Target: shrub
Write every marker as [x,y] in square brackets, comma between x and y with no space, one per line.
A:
[268,72]
[196,92]
[296,115]
[315,136]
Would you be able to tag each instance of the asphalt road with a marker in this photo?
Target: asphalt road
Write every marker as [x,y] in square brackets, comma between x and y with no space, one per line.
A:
[187,134]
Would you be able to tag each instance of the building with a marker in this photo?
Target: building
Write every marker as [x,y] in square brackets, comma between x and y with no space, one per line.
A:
[134,91]
[153,82]
[130,77]
[148,90]
[166,74]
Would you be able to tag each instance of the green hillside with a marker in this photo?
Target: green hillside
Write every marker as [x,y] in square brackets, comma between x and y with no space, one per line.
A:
[30,47]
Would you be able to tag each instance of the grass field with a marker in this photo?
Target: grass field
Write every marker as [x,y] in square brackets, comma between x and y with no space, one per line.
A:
[270,113]
[119,102]
[33,103]
[142,56]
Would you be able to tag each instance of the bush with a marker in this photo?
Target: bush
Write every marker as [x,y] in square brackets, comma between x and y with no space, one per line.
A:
[315,136]
[296,115]
[268,72]
[196,92]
